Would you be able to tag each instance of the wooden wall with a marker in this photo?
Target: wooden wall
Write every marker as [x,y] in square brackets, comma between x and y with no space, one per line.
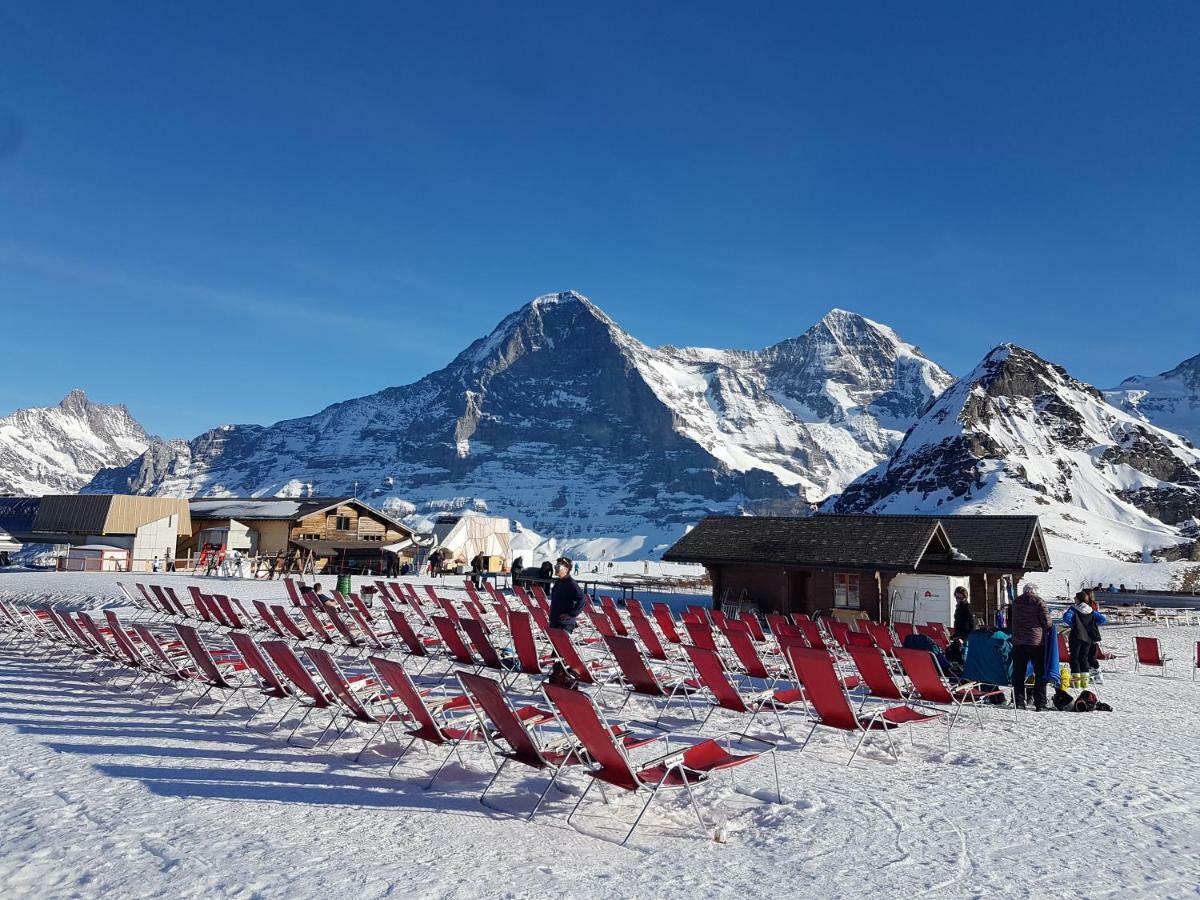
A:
[364,525]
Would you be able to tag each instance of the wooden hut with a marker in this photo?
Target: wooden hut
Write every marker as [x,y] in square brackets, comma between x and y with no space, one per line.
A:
[828,562]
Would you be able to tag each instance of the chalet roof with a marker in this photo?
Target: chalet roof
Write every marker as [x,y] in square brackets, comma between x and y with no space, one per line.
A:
[106,513]
[252,509]
[17,515]
[866,542]
[903,543]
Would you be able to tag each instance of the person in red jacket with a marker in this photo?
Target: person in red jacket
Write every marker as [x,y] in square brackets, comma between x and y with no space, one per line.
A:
[1031,628]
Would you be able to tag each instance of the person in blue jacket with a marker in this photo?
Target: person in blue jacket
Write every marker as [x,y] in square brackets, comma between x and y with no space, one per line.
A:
[1084,619]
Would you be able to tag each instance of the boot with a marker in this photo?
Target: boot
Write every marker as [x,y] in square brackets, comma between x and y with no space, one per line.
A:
[1074,680]
[1083,680]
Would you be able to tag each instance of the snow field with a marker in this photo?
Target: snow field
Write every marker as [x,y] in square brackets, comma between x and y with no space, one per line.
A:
[104,794]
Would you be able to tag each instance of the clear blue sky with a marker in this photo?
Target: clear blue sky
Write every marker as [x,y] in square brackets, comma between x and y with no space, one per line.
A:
[204,205]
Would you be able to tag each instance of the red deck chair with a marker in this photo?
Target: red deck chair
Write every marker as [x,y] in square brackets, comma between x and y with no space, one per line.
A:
[523,598]
[374,639]
[357,604]
[307,691]
[1196,661]
[649,638]
[289,626]
[700,632]
[432,594]
[230,612]
[776,621]
[292,591]
[477,614]
[484,649]
[272,686]
[200,601]
[264,614]
[1148,652]
[634,607]
[85,646]
[747,655]
[838,630]
[216,608]
[750,620]
[859,639]
[180,608]
[726,695]
[415,645]
[884,639]
[600,621]
[453,643]
[876,675]
[493,705]
[132,656]
[903,630]
[811,631]
[638,678]
[358,709]
[1064,650]
[167,663]
[936,633]
[496,593]
[529,660]
[666,622]
[539,597]
[502,613]
[831,703]
[929,686]
[349,638]
[449,610]
[670,771]
[568,655]
[609,607]
[213,668]
[161,601]
[319,631]
[411,706]
[472,594]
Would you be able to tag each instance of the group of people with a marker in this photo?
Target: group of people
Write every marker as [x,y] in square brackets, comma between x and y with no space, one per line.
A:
[1031,626]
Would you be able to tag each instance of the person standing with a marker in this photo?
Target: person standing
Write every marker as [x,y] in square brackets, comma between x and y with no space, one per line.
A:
[1083,639]
[477,571]
[964,619]
[169,559]
[1031,627]
[566,597]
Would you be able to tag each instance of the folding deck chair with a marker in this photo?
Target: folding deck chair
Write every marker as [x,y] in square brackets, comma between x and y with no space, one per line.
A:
[683,767]
[1148,652]
[928,685]
[357,709]
[307,691]
[638,678]
[493,705]
[831,707]
[411,706]
[727,696]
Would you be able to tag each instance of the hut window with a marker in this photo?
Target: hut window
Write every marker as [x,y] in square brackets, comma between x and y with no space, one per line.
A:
[845,590]
[343,523]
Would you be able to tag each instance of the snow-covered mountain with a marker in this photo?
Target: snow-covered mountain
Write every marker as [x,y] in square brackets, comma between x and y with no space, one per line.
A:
[1170,400]
[58,449]
[563,420]
[1018,434]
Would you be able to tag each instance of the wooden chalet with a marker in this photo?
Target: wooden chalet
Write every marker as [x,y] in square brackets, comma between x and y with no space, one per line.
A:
[828,562]
[319,533]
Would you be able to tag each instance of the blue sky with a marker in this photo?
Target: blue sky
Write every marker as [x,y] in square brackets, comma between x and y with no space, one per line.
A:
[204,206]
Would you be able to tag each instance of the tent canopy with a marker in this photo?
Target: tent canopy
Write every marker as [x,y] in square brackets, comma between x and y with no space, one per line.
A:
[463,538]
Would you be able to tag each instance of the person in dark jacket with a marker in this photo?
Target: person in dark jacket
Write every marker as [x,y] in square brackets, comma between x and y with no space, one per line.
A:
[1084,621]
[477,570]
[566,597]
[1031,626]
[964,619]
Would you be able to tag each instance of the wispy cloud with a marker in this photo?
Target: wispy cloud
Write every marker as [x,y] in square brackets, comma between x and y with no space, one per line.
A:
[140,284]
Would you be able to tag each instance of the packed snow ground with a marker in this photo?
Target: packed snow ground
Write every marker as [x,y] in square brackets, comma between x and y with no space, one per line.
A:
[102,794]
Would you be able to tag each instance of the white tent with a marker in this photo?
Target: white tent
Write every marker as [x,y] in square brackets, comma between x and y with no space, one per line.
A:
[463,538]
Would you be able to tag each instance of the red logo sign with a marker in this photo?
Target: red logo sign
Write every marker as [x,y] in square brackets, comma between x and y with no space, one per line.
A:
[929,593]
